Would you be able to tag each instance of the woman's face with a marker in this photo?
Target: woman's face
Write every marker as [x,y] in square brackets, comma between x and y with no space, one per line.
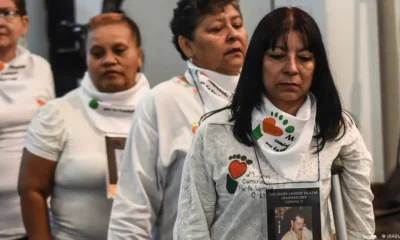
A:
[113,57]
[288,71]
[13,26]
[220,42]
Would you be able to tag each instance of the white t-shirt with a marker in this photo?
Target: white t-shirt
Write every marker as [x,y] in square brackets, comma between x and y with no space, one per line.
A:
[25,85]
[79,205]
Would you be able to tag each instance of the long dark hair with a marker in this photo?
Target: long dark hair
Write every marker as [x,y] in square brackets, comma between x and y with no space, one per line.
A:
[250,89]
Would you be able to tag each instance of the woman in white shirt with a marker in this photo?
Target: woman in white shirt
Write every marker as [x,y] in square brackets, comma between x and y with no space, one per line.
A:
[274,145]
[67,147]
[26,83]
[211,37]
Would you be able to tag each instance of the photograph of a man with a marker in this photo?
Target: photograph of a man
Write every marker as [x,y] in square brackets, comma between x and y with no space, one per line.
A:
[298,229]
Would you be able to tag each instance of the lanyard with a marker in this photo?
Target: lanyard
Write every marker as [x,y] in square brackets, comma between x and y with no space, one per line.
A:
[198,90]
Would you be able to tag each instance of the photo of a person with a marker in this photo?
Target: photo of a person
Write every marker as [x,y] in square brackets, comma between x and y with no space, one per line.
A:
[298,219]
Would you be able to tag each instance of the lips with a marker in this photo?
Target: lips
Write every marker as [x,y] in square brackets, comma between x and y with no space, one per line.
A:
[106,73]
[289,84]
[233,51]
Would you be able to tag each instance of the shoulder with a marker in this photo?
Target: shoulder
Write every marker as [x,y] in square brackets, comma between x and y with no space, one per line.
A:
[216,122]
[167,96]
[350,125]
[40,62]
[63,105]
[218,118]
[170,89]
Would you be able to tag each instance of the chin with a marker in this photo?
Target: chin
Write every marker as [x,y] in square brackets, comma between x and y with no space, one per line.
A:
[4,43]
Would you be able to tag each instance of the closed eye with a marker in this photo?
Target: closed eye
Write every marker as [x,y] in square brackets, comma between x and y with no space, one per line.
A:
[277,56]
[305,59]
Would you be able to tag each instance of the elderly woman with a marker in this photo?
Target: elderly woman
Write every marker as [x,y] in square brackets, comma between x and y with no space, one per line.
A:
[66,154]
[211,38]
[26,83]
[274,145]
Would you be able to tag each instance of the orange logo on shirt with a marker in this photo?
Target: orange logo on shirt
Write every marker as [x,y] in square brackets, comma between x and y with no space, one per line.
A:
[195,126]
[41,100]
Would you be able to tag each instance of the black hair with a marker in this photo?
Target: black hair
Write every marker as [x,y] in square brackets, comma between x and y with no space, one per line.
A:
[21,6]
[250,89]
[189,13]
[294,213]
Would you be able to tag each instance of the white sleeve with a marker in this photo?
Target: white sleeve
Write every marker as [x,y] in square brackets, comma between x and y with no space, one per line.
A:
[46,135]
[196,208]
[25,109]
[139,194]
[356,186]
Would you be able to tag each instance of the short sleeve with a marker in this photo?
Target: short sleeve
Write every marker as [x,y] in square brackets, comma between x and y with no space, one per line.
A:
[46,134]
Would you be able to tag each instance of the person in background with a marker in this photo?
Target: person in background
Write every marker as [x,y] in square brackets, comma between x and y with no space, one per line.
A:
[211,38]
[283,129]
[66,155]
[26,84]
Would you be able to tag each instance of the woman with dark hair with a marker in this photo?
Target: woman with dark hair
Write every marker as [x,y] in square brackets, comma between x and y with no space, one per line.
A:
[210,36]
[282,131]
[67,148]
[26,84]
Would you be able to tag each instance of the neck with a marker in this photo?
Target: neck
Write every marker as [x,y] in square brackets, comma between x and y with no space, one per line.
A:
[288,107]
[8,54]
[230,72]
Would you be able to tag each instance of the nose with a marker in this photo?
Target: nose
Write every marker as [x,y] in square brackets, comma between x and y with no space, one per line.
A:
[291,68]
[233,34]
[109,59]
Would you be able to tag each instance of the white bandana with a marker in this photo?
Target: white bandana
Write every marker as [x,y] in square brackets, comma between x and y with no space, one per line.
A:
[215,89]
[284,138]
[17,79]
[112,112]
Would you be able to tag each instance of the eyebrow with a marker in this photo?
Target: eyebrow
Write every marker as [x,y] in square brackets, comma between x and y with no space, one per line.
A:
[285,49]
[221,19]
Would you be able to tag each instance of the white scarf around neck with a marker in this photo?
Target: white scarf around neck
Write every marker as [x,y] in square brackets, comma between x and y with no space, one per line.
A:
[283,138]
[216,89]
[17,77]
[112,113]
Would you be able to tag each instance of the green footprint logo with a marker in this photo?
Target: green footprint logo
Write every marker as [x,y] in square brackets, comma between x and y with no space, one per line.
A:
[269,126]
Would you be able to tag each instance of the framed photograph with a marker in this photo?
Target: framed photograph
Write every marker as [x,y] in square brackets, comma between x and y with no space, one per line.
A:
[293,213]
[115,149]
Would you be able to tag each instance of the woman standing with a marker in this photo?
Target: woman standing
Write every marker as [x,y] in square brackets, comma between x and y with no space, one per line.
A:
[274,145]
[26,84]
[67,148]
[210,36]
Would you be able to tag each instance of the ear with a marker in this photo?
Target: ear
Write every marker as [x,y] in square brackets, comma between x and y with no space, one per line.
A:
[140,57]
[187,46]
[25,25]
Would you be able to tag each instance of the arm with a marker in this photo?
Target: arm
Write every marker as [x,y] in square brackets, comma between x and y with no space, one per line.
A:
[196,209]
[34,186]
[356,190]
[44,143]
[139,192]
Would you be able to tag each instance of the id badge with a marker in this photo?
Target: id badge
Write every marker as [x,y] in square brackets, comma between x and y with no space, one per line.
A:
[115,149]
[294,212]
